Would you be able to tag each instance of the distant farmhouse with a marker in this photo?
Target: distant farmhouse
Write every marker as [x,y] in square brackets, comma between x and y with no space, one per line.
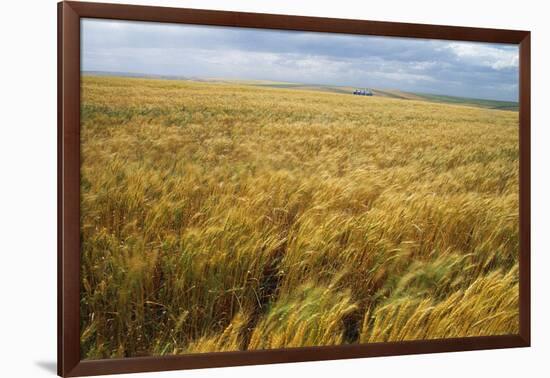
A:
[362,92]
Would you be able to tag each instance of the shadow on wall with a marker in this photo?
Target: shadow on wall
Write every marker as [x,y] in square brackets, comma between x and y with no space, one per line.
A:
[50,366]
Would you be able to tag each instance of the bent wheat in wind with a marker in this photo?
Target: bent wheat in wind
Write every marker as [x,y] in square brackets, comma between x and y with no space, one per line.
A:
[224,216]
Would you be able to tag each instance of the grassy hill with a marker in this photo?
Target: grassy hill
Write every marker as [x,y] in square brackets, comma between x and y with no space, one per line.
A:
[489,104]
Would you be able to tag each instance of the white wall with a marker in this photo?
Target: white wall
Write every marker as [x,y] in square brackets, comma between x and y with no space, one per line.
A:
[28,186]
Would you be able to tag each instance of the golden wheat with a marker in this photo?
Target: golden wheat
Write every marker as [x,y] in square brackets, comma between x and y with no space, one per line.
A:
[227,217]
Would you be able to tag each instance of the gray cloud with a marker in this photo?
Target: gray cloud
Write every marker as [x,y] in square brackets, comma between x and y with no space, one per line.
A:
[430,66]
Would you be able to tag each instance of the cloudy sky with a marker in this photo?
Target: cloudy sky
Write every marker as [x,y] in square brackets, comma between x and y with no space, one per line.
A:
[441,67]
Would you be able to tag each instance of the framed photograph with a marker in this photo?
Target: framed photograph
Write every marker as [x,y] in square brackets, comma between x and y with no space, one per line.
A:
[239,188]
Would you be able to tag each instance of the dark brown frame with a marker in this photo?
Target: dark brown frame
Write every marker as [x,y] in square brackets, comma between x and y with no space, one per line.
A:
[69,15]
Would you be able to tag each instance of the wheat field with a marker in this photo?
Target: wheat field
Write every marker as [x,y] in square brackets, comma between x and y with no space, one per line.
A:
[223,217]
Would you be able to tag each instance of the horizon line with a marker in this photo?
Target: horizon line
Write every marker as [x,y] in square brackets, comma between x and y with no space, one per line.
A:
[184,77]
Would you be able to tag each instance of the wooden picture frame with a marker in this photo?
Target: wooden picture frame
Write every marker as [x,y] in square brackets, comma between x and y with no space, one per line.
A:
[69,15]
